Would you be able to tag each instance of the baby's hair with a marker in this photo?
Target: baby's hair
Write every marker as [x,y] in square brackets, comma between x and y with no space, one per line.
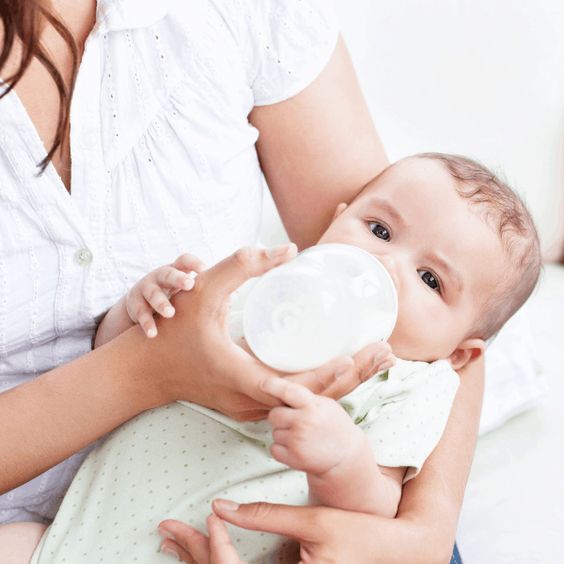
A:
[506,212]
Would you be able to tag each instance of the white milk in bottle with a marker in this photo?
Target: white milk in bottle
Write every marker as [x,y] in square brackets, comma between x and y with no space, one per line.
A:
[331,300]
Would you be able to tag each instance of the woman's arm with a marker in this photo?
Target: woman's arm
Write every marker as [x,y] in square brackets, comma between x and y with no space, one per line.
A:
[193,358]
[318,149]
[56,414]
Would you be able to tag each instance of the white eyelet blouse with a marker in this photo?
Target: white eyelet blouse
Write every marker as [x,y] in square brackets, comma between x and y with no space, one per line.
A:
[163,162]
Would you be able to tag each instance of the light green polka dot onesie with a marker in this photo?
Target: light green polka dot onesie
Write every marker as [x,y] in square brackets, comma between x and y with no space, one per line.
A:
[172,461]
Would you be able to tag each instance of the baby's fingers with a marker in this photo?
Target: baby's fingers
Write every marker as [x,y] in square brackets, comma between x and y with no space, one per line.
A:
[143,315]
[386,363]
[157,298]
[281,417]
[189,263]
[384,358]
[172,278]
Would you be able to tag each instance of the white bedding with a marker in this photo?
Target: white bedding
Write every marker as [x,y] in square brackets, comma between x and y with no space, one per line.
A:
[514,506]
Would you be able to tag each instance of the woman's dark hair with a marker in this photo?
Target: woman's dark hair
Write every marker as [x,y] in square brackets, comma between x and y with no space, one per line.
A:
[23,21]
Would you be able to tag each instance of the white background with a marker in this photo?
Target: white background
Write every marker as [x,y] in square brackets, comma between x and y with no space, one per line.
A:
[484,78]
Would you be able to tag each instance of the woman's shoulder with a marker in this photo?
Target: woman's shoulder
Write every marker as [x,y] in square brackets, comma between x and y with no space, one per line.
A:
[285,43]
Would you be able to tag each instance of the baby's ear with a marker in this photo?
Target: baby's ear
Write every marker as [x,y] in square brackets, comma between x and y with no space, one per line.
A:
[468,350]
[339,210]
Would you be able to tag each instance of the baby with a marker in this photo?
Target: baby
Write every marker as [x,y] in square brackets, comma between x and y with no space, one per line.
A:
[464,256]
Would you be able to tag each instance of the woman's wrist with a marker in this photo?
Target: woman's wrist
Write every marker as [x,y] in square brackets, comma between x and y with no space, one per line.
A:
[140,374]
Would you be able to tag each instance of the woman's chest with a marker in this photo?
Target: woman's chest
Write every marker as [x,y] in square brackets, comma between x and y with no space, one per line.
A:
[163,162]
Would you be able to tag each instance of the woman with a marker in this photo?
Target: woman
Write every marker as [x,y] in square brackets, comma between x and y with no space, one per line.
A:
[163,160]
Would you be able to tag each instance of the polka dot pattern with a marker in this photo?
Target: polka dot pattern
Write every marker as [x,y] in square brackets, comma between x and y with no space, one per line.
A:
[173,461]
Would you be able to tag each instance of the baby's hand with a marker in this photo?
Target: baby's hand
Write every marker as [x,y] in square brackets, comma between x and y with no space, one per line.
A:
[311,433]
[151,294]
[384,358]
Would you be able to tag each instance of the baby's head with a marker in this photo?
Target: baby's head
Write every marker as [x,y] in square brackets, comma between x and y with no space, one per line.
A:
[459,244]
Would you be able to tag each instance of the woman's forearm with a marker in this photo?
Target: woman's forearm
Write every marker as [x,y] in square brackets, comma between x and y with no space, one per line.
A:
[434,497]
[53,416]
[192,358]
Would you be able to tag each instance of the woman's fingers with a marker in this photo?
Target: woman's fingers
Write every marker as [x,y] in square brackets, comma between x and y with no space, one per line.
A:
[327,534]
[321,378]
[298,523]
[290,393]
[188,543]
[226,276]
[192,546]
[221,549]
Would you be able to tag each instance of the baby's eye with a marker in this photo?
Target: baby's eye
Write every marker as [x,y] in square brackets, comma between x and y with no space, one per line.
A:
[430,279]
[381,231]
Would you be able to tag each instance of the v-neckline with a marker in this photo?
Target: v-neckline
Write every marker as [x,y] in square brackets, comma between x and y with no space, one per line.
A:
[38,150]
[39,145]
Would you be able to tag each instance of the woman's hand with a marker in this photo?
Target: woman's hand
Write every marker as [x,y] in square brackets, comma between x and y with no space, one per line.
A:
[199,362]
[325,535]
[424,528]
[190,545]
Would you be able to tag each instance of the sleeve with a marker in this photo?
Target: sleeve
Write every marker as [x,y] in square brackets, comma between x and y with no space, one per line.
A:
[287,44]
[411,420]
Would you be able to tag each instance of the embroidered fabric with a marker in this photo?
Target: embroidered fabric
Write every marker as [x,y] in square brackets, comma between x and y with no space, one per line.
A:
[163,162]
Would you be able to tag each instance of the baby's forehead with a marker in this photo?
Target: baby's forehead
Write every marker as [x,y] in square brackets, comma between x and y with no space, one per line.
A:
[412,172]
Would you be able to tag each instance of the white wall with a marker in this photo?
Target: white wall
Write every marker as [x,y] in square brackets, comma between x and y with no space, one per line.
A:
[477,77]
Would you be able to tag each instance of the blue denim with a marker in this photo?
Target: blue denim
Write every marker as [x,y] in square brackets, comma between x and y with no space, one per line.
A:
[455,556]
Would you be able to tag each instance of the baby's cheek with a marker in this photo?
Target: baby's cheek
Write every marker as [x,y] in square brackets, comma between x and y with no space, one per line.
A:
[416,336]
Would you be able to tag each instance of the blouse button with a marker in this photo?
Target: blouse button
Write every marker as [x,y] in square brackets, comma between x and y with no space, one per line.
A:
[83,257]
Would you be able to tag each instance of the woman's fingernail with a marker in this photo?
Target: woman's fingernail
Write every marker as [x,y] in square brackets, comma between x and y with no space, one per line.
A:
[192,274]
[166,534]
[226,505]
[151,333]
[168,311]
[280,251]
[170,552]
[188,284]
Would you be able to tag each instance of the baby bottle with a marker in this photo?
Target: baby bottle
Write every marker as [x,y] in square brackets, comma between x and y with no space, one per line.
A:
[331,300]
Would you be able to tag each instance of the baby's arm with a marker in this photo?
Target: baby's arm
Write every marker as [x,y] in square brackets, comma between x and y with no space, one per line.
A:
[315,434]
[151,294]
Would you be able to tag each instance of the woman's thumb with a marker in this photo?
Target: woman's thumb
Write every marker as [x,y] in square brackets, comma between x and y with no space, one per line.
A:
[226,276]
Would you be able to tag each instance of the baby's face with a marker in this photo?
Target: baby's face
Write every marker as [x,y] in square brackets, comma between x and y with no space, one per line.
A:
[444,258]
